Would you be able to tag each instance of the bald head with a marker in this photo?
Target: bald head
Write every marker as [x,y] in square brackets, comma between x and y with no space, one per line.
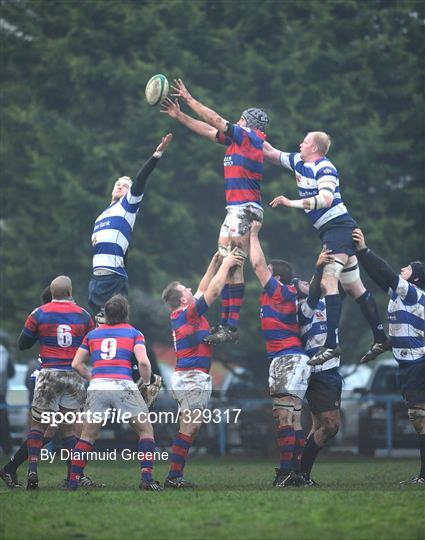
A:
[61,288]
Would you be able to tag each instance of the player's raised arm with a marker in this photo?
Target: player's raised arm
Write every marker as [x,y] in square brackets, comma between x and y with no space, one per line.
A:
[256,255]
[208,115]
[138,187]
[218,281]
[377,268]
[209,274]
[172,108]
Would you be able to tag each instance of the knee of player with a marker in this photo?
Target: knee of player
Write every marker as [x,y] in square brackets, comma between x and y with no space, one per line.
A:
[330,427]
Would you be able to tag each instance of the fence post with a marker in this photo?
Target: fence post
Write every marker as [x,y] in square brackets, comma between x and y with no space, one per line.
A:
[389,426]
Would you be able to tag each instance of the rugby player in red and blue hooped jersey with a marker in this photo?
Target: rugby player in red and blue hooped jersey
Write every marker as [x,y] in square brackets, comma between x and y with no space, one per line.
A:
[111,387]
[243,172]
[288,373]
[59,326]
[191,382]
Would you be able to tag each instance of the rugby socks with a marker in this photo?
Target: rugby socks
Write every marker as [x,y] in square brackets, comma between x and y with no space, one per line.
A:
[146,446]
[309,455]
[422,450]
[369,309]
[286,444]
[298,450]
[79,461]
[34,445]
[224,305]
[68,443]
[236,293]
[333,313]
[21,455]
[179,451]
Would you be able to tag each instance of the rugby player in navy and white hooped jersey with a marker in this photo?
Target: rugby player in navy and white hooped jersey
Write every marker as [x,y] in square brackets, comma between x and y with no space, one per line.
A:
[325,384]
[112,234]
[191,383]
[318,186]
[243,173]
[289,372]
[406,317]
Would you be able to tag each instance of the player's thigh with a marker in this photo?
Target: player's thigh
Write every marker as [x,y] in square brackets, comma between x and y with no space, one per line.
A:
[192,390]
[350,278]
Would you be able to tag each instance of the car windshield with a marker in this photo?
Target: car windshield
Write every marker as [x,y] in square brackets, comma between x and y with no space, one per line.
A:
[385,380]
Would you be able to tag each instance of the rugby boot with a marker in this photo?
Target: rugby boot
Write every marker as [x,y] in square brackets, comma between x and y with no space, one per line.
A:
[87,482]
[32,481]
[150,485]
[10,479]
[323,355]
[178,483]
[309,482]
[375,350]
[416,480]
[223,334]
[288,480]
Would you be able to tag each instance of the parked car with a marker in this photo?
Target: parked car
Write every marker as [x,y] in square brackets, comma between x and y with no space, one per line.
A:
[382,392]
[17,400]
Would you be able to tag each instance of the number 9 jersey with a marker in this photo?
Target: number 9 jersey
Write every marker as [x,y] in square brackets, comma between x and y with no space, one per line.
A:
[60,327]
[111,348]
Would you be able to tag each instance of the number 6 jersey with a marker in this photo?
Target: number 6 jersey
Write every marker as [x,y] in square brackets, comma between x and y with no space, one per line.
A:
[60,327]
[111,348]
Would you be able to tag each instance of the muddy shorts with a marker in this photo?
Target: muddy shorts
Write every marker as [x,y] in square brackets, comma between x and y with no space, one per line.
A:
[56,388]
[239,218]
[289,375]
[191,389]
[122,395]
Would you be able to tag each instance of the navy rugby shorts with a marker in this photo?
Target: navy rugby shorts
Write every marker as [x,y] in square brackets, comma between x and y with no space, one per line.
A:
[102,288]
[412,382]
[338,237]
[324,391]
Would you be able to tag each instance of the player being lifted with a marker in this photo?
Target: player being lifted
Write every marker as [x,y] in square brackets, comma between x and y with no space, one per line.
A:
[288,372]
[243,173]
[191,381]
[318,186]
[112,234]
[111,346]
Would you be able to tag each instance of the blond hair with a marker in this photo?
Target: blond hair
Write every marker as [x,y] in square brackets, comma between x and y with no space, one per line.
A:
[322,141]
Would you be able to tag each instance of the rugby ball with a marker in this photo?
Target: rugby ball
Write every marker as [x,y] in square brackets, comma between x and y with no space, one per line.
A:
[157,89]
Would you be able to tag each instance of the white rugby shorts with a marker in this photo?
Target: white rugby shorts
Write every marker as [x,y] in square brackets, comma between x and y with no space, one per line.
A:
[289,375]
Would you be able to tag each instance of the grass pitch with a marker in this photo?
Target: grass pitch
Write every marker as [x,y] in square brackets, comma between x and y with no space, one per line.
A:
[358,499]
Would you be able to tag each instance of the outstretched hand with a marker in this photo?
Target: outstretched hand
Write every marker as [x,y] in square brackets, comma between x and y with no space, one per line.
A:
[359,240]
[170,107]
[280,200]
[162,146]
[180,90]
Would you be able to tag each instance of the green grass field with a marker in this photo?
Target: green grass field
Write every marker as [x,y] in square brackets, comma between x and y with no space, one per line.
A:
[358,499]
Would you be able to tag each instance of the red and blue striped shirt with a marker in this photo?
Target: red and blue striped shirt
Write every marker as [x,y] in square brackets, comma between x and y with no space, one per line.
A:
[111,348]
[243,164]
[60,327]
[189,328]
[279,321]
